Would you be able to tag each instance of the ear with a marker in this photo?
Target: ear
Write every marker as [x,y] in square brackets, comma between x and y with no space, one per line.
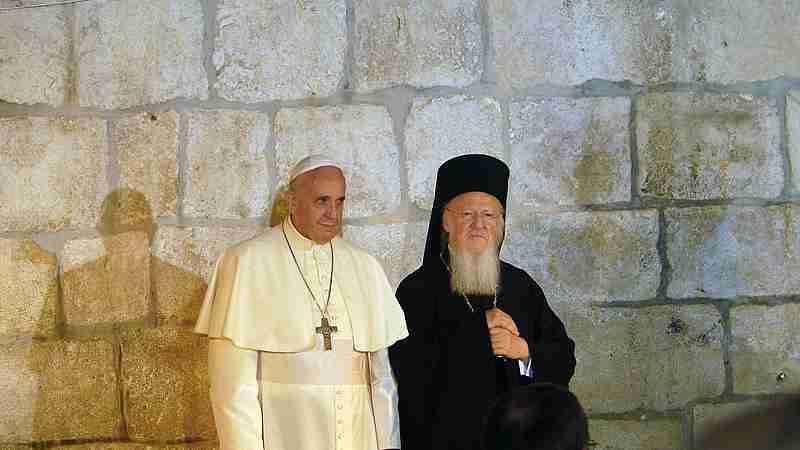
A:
[447,225]
[289,199]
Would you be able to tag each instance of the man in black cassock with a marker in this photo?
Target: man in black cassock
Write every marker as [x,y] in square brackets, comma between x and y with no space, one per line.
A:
[478,326]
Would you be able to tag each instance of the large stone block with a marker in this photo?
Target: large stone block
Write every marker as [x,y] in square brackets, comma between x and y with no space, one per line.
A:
[165,385]
[137,53]
[360,137]
[52,172]
[659,434]
[569,151]
[441,128]
[584,257]
[660,357]
[284,49]
[719,251]
[227,168]
[398,247]
[147,145]
[793,135]
[569,42]
[183,261]
[106,280]
[711,419]
[28,289]
[58,390]
[704,146]
[765,352]
[35,46]
[746,40]
[422,44]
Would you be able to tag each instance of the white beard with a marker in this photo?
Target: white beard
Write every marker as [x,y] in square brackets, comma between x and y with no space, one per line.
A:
[472,274]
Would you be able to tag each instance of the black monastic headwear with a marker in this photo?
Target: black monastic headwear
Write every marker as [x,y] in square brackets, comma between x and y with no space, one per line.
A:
[459,175]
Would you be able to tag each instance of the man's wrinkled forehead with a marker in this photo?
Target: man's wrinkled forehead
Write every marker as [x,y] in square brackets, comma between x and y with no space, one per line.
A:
[475,199]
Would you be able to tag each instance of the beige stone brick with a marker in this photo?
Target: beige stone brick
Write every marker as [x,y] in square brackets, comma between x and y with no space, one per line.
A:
[422,44]
[765,350]
[583,257]
[285,49]
[106,280]
[706,146]
[227,167]
[28,289]
[720,251]
[793,134]
[165,382]
[147,145]
[398,247]
[441,128]
[569,151]
[52,172]
[659,357]
[58,390]
[35,45]
[359,137]
[654,434]
[138,53]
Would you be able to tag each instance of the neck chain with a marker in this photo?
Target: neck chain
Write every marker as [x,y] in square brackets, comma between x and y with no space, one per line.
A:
[322,311]
[466,299]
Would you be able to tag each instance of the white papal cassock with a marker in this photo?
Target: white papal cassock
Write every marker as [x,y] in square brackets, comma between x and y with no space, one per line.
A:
[273,387]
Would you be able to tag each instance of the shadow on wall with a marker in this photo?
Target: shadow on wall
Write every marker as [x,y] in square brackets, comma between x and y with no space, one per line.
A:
[773,426]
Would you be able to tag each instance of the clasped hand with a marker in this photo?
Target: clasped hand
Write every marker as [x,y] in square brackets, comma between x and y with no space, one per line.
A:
[504,335]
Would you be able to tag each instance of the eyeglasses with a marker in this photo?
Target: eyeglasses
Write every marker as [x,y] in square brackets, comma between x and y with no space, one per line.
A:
[470,216]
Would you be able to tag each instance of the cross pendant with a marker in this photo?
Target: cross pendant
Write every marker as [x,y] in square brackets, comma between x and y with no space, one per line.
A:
[325,329]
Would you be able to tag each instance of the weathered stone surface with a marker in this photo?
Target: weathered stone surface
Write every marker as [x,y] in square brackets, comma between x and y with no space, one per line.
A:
[719,251]
[441,128]
[147,145]
[35,48]
[569,151]
[660,357]
[136,53]
[268,50]
[765,352]
[182,265]
[569,42]
[227,167]
[28,289]
[106,280]
[793,134]
[704,146]
[742,41]
[423,44]
[131,446]
[52,172]
[660,434]
[58,390]
[165,382]
[585,257]
[358,137]
[398,247]
[710,417]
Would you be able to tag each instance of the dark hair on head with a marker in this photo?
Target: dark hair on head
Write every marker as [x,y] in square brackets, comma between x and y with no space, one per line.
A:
[540,416]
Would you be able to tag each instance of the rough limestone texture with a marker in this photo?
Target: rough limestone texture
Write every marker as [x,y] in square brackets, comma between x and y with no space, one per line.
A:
[106,280]
[52,173]
[793,134]
[580,258]
[28,289]
[708,417]
[765,352]
[723,252]
[616,349]
[423,44]
[58,390]
[183,259]
[745,40]
[284,49]
[440,128]
[147,145]
[227,173]
[138,53]
[707,146]
[569,152]
[34,52]
[165,384]
[360,137]
[658,434]
[384,242]
[569,42]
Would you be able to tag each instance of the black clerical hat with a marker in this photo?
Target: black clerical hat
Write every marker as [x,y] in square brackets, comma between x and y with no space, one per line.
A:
[459,175]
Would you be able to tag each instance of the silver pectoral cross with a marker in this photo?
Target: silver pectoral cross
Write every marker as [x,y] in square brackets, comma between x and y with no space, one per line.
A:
[325,329]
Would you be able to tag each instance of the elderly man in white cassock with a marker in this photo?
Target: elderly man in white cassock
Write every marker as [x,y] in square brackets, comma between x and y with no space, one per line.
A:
[299,322]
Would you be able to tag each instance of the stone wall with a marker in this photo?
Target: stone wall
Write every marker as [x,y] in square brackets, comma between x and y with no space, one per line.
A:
[654,195]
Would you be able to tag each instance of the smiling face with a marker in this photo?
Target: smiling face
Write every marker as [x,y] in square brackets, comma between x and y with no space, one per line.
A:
[473,221]
[316,202]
